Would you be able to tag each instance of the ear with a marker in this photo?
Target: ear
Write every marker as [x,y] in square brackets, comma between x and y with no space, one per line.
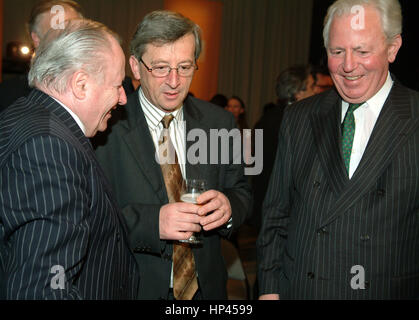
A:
[394,47]
[135,67]
[35,39]
[79,84]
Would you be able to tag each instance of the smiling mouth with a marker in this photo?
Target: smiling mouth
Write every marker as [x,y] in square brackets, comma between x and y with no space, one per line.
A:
[353,78]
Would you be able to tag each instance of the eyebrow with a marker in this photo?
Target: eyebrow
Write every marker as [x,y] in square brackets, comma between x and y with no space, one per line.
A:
[165,62]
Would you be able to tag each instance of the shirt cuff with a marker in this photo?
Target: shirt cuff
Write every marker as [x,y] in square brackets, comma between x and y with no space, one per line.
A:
[229,223]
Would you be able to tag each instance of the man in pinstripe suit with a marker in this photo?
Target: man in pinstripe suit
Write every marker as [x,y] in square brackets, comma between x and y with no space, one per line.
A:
[61,234]
[341,215]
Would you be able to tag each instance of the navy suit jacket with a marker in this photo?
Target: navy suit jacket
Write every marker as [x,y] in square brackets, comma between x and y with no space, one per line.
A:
[325,236]
[61,234]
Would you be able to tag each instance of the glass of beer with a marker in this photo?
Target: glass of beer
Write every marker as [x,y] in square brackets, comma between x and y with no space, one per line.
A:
[191,190]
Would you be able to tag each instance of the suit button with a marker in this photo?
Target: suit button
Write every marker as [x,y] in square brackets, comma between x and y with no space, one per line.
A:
[380,192]
[118,237]
[310,275]
[316,184]
[366,284]
[365,237]
[322,231]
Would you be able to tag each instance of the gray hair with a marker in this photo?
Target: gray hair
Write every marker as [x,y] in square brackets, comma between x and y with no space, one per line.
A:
[162,27]
[82,44]
[290,82]
[389,10]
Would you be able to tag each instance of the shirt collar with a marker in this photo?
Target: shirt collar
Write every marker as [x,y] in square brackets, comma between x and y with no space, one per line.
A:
[376,102]
[73,115]
[153,114]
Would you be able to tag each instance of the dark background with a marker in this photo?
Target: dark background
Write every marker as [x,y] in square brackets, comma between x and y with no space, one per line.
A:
[406,66]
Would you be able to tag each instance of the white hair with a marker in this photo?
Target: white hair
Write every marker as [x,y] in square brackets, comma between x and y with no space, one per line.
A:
[82,44]
[389,10]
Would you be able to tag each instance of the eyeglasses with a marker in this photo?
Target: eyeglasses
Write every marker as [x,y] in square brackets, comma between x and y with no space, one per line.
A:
[161,71]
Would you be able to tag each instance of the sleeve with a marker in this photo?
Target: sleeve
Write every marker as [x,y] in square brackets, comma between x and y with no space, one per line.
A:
[143,224]
[44,209]
[275,217]
[236,188]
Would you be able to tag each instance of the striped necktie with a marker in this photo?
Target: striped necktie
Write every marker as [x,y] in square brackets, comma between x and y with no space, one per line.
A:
[185,280]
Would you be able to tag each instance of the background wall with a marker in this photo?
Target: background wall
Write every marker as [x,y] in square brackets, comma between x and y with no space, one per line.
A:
[247,45]
[208,15]
[122,16]
[260,39]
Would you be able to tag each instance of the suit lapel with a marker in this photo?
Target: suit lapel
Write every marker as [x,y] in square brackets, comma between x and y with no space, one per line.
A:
[140,143]
[58,111]
[393,127]
[72,132]
[194,120]
[326,129]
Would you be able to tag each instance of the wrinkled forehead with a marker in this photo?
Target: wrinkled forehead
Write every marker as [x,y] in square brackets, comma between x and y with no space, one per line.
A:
[182,48]
[359,18]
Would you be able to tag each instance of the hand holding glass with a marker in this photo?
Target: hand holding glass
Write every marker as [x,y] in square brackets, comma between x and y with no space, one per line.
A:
[191,190]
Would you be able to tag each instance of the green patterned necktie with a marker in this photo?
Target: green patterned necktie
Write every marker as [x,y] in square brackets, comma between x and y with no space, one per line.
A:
[348,132]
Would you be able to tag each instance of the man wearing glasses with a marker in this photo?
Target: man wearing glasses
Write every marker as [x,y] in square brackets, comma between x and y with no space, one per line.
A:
[165,49]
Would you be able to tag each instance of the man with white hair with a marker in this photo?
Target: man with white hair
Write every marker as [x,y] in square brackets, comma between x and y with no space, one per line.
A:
[341,212]
[61,234]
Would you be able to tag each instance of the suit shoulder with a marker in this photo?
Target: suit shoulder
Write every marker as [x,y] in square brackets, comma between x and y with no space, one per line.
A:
[207,106]
[415,101]
[21,122]
[23,117]
[210,111]
[312,104]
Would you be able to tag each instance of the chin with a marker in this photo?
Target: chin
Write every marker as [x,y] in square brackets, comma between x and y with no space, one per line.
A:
[352,96]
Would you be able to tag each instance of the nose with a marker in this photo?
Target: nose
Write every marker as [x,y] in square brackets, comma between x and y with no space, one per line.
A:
[349,64]
[122,96]
[173,79]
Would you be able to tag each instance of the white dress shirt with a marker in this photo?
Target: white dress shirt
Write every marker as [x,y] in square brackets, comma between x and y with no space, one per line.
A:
[365,118]
[73,115]
[177,128]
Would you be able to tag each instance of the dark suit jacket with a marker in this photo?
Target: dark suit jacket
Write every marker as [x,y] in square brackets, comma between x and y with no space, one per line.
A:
[320,224]
[56,211]
[128,158]
[270,124]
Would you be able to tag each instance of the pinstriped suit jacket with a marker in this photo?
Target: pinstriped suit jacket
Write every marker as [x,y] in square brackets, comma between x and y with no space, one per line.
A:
[318,224]
[57,214]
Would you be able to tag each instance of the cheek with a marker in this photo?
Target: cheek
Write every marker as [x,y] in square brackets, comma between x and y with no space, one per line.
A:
[333,64]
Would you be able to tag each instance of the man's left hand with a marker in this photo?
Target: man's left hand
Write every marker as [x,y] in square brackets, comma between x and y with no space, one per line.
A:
[215,210]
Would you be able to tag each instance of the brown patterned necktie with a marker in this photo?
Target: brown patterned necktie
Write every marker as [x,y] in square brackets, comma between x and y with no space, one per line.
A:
[185,281]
